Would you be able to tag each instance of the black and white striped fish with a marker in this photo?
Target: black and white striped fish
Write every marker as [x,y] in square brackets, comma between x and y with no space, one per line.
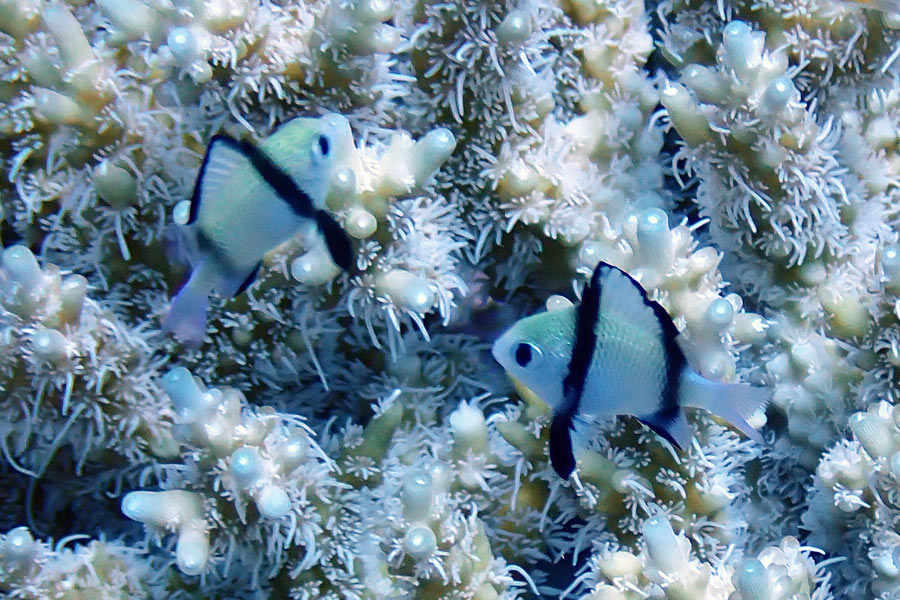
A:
[616,354]
[248,199]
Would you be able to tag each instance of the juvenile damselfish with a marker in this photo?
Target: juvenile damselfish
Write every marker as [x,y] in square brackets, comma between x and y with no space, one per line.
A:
[615,354]
[247,200]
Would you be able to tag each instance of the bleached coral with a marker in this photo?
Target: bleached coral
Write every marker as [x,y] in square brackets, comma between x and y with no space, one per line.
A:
[74,375]
[666,567]
[32,569]
[362,444]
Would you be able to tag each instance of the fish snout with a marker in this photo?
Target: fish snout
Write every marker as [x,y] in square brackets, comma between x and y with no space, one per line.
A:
[500,349]
[338,126]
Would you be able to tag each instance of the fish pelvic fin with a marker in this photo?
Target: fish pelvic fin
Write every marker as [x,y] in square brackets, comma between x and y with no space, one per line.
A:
[336,239]
[733,402]
[562,457]
[181,244]
[186,318]
[672,427]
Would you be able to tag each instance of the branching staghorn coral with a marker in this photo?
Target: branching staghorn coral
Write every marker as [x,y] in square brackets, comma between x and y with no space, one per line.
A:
[269,502]
[626,478]
[262,472]
[771,176]
[854,494]
[667,568]
[829,43]
[503,148]
[32,569]
[74,376]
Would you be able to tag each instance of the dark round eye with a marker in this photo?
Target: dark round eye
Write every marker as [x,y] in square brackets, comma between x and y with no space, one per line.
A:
[323,145]
[524,354]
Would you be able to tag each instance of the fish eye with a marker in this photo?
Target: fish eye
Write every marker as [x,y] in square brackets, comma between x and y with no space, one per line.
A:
[526,354]
[324,146]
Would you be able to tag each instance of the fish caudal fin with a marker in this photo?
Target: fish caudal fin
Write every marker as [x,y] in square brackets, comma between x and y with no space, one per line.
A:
[733,402]
[562,457]
[336,239]
[187,314]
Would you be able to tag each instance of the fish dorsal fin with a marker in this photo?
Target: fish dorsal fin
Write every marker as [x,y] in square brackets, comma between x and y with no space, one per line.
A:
[223,161]
[622,298]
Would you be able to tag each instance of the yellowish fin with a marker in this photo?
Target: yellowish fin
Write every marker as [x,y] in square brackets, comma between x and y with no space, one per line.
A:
[536,406]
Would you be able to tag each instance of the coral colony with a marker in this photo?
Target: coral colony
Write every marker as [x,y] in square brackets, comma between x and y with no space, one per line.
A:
[346,434]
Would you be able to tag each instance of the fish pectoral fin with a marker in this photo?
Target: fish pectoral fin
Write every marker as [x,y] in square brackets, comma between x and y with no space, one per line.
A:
[336,239]
[562,458]
[222,161]
[673,428]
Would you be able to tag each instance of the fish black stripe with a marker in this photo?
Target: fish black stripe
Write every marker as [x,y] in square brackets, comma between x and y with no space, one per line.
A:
[207,246]
[248,281]
[562,457]
[585,345]
[283,184]
[675,363]
[195,195]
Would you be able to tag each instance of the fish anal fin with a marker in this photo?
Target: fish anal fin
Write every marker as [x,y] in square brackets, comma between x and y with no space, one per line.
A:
[249,280]
[180,245]
[222,161]
[232,282]
[562,458]
[672,427]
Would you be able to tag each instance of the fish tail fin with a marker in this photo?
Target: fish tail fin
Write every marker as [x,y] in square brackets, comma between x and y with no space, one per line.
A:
[336,239]
[187,314]
[562,457]
[733,402]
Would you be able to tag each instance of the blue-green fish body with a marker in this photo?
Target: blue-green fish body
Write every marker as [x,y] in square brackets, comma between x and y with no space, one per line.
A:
[615,354]
[248,199]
